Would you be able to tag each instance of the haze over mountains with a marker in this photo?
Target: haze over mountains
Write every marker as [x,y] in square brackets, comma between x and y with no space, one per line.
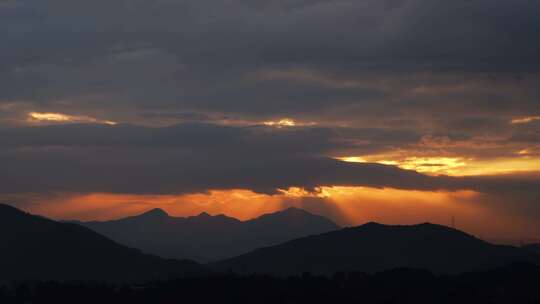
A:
[374,247]
[33,247]
[209,238]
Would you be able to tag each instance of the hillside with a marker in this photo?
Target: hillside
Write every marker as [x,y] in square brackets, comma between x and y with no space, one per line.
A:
[33,247]
[374,247]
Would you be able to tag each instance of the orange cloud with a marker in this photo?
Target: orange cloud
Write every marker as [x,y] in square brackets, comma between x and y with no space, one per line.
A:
[286,122]
[454,166]
[524,120]
[34,117]
[432,165]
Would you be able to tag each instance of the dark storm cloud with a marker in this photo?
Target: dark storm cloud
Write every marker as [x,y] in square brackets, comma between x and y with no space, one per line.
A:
[189,158]
[183,116]
[201,55]
[168,172]
[197,157]
[220,139]
[527,133]
[477,124]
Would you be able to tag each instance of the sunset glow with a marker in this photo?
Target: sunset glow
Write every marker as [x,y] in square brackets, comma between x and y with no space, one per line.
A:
[345,205]
[525,120]
[63,118]
[429,165]
[456,166]
[286,122]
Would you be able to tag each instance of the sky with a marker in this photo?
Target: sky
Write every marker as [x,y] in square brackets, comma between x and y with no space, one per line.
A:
[396,111]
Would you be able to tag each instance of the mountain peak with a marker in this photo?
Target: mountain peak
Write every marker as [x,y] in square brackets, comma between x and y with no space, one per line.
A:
[202,216]
[372,224]
[6,209]
[291,211]
[156,212]
[415,229]
[294,210]
[421,225]
[297,216]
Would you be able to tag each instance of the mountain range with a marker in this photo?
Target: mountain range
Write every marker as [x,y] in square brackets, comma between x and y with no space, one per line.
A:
[36,248]
[374,247]
[209,238]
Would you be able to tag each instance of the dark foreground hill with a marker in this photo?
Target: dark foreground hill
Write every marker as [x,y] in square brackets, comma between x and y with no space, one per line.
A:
[209,238]
[514,284]
[374,247]
[535,248]
[33,247]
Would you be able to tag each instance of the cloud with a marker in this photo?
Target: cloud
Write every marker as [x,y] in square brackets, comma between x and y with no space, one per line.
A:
[182,158]
[211,56]
[525,120]
[198,157]
[36,117]
[191,83]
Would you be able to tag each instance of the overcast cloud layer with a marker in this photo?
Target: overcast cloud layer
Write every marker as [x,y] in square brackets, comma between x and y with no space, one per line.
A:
[191,83]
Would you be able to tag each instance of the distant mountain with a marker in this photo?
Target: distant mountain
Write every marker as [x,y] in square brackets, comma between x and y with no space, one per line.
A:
[36,248]
[209,238]
[374,247]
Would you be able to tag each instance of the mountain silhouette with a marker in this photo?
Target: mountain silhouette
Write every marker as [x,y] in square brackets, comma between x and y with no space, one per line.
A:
[156,213]
[36,248]
[374,247]
[209,238]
